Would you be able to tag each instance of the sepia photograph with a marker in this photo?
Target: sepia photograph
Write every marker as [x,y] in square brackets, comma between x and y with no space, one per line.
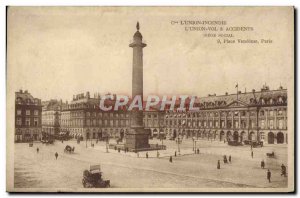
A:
[150,99]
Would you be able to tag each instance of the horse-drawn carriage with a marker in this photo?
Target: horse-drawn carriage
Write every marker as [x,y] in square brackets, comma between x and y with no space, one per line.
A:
[93,178]
[271,155]
[69,149]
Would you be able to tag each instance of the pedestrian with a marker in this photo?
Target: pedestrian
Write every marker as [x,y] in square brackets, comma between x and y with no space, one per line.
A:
[171,160]
[262,164]
[224,159]
[269,175]
[147,155]
[119,150]
[283,170]
[229,158]
[175,153]
[251,146]
[138,155]
[56,155]
[37,149]
[157,154]
[62,141]
[198,151]
[252,154]
[218,165]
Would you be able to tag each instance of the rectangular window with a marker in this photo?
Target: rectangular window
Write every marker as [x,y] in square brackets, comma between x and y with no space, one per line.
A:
[280,124]
[27,112]
[236,124]
[216,124]
[27,122]
[271,124]
[36,112]
[36,121]
[262,124]
[19,121]
[19,112]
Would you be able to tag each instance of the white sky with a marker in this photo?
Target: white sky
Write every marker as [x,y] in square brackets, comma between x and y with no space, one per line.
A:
[58,52]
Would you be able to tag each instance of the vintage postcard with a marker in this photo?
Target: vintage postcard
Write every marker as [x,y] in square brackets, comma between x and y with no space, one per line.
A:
[150,99]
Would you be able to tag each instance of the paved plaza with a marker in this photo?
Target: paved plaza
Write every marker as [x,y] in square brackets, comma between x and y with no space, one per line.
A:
[131,170]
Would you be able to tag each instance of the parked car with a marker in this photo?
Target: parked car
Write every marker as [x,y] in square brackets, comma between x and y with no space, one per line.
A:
[93,178]
[235,143]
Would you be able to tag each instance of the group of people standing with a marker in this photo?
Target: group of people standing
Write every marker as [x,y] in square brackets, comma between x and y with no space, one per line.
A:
[224,160]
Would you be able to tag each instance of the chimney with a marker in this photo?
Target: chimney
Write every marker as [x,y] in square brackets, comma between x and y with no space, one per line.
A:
[226,93]
[21,91]
[26,91]
[253,90]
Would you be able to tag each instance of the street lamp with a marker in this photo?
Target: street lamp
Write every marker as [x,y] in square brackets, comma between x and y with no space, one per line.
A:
[107,144]
[193,143]
[178,142]
[86,141]
[91,141]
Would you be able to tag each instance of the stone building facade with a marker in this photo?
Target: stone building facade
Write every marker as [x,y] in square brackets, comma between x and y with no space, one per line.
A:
[51,116]
[253,115]
[256,115]
[84,119]
[28,114]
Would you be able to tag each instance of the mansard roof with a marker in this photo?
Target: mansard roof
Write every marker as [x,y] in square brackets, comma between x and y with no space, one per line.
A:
[26,98]
[264,97]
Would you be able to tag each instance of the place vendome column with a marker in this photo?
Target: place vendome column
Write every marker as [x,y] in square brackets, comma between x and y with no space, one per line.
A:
[137,138]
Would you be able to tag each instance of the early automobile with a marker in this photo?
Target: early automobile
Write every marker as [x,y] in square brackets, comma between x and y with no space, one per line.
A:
[234,143]
[254,143]
[257,144]
[93,178]
[69,149]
